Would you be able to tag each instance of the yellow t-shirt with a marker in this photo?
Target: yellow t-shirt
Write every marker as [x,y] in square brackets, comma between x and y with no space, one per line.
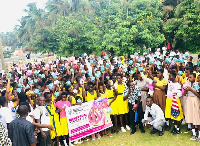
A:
[160,82]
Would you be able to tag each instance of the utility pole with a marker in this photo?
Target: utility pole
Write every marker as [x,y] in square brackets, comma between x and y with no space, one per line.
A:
[2,57]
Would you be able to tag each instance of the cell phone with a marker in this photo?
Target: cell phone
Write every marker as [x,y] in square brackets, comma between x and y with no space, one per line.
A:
[81,81]
[111,82]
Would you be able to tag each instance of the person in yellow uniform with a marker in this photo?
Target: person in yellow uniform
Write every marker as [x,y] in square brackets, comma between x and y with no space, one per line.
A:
[160,84]
[70,96]
[91,94]
[54,117]
[122,106]
[78,92]
[111,95]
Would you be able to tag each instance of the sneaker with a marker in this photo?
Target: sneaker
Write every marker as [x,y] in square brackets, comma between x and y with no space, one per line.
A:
[161,133]
[122,129]
[86,139]
[183,122]
[128,128]
[167,128]
[98,136]
[193,137]
[80,142]
[93,137]
[154,131]
[178,131]
[142,130]
[76,142]
[173,130]
[116,131]
[133,132]
[187,130]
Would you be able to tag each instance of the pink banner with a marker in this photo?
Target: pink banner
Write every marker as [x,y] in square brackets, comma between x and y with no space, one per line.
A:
[89,118]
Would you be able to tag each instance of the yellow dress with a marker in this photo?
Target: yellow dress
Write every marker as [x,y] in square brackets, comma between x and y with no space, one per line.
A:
[90,97]
[113,106]
[54,121]
[168,109]
[121,104]
[64,126]
[103,95]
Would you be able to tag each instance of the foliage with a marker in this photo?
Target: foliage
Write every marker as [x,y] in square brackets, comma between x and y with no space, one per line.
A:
[120,27]
[9,39]
[184,28]
[78,26]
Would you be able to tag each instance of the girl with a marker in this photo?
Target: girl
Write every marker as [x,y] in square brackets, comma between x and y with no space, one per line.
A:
[192,109]
[70,96]
[91,94]
[62,104]
[122,106]
[173,105]
[101,93]
[111,95]
[160,85]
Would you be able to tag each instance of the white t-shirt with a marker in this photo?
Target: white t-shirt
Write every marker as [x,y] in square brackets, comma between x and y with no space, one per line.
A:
[5,116]
[44,118]
[13,111]
[29,118]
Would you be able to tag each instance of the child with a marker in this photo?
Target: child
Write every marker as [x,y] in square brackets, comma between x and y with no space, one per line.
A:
[111,95]
[62,104]
[192,109]
[173,108]
[122,106]
[160,85]
[54,117]
[41,116]
[91,94]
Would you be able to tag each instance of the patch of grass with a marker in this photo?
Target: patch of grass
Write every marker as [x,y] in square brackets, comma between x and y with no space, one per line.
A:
[140,139]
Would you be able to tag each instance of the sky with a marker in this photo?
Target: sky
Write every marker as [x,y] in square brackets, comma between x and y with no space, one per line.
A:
[12,10]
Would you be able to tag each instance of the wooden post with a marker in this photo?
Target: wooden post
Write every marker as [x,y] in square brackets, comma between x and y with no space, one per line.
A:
[2,57]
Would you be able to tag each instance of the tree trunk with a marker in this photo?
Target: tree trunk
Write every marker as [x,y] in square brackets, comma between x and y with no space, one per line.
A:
[2,57]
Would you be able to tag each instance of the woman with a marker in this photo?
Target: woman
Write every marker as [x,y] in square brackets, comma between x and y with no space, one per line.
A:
[144,88]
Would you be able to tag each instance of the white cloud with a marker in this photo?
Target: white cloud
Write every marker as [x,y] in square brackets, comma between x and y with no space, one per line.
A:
[12,10]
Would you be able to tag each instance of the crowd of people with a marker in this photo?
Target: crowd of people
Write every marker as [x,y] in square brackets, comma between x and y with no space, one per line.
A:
[158,90]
